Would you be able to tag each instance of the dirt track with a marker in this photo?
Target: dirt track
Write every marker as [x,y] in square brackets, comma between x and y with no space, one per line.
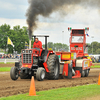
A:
[7,65]
[10,87]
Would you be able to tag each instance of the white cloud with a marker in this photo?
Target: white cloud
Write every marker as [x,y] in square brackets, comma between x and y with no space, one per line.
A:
[13,22]
[23,7]
[13,9]
[52,26]
[7,6]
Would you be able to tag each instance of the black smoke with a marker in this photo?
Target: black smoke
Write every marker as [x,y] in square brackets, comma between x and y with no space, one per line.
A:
[46,7]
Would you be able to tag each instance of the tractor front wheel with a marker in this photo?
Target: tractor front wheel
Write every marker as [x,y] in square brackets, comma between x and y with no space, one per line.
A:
[53,66]
[40,74]
[86,72]
[83,73]
[14,73]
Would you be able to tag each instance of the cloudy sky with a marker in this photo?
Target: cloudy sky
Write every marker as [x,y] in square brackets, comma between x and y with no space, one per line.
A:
[13,12]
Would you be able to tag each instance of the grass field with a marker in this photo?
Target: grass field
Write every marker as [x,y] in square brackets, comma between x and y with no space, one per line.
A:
[95,66]
[70,93]
[5,69]
[7,63]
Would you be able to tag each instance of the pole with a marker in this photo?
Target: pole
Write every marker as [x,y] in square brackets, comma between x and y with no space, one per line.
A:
[13,53]
[92,47]
[29,43]
[45,42]
[30,36]
[7,43]
[92,43]
[62,39]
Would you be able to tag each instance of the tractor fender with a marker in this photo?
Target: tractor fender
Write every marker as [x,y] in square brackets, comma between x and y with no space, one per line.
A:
[49,53]
[45,63]
[46,66]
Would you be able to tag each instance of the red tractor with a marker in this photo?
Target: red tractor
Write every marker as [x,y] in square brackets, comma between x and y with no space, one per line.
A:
[36,62]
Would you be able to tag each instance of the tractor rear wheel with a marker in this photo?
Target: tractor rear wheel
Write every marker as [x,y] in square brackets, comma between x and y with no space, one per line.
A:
[53,66]
[86,72]
[14,73]
[69,71]
[40,74]
[83,73]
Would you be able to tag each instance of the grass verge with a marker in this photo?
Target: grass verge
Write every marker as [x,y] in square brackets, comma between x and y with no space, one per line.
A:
[95,66]
[70,93]
[7,63]
[5,69]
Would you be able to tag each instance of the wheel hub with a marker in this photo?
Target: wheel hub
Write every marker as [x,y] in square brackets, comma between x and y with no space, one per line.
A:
[16,73]
[56,69]
[42,74]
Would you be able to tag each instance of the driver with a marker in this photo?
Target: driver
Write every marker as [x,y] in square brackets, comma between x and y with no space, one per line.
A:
[37,43]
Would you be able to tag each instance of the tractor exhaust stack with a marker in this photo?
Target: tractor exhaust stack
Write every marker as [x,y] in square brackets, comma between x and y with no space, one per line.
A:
[29,43]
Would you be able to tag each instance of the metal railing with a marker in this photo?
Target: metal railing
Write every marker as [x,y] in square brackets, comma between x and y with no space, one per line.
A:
[9,60]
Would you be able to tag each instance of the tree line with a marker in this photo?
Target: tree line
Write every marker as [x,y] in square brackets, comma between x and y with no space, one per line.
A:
[57,46]
[94,47]
[19,36]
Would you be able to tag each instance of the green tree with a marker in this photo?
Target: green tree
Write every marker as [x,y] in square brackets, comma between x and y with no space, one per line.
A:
[95,46]
[89,48]
[65,47]
[60,46]
[43,45]
[17,35]
[97,51]
[50,45]
[57,46]
[4,31]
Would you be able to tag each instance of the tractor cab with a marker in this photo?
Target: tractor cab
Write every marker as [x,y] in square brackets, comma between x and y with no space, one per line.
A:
[41,52]
[35,56]
[78,41]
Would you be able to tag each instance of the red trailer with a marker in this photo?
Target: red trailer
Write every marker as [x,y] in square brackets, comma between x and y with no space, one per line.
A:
[77,62]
